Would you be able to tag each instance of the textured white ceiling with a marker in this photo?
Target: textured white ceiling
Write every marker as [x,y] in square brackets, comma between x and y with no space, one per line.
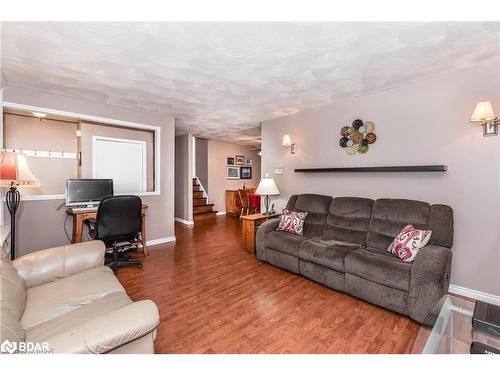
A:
[221,79]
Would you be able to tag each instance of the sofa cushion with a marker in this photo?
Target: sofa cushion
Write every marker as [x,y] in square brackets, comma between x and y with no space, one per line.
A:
[348,219]
[380,267]
[10,327]
[327,253]
[407,243]
[48,301]
[381,295]
[285,242]
[441,223]
[77,317]
[292,222]
[12,289]
[390,216]
[317,207]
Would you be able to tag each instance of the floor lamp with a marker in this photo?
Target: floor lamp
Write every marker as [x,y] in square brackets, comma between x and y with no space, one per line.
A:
[14,173]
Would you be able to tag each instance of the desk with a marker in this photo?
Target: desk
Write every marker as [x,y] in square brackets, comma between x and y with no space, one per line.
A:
[80,216]
[250,225]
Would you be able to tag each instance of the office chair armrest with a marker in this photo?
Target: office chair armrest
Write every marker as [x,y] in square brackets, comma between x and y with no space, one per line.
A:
[48,265]
[109,331]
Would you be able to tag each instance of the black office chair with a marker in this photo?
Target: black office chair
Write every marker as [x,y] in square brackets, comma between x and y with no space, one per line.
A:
[118,224]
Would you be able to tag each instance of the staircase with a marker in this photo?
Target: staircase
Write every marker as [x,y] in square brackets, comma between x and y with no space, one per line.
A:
[201,209]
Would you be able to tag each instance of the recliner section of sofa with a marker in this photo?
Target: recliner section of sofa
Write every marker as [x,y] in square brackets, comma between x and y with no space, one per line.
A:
[345,248]
[66,297]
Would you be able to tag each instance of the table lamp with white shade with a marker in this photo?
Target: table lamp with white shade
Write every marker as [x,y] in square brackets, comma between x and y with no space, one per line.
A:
[14,173]
[267,187]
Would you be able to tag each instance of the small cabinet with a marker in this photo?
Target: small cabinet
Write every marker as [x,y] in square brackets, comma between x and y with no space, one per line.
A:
[231,203]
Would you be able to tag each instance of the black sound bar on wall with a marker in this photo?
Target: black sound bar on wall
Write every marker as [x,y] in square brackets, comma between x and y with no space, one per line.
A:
[398,168]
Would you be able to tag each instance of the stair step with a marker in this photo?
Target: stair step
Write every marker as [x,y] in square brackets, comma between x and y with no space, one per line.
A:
[197,188]
[205,216]
[202,209]
[199,202]
[198,194]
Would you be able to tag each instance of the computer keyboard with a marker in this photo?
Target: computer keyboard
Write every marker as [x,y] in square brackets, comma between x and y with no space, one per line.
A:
[85,208]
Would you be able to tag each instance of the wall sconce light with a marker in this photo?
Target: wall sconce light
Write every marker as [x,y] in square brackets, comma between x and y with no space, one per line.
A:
[484,114]
[287,142]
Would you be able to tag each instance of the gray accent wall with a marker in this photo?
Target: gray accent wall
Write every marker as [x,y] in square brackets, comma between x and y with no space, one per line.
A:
[422,123]
[40,225]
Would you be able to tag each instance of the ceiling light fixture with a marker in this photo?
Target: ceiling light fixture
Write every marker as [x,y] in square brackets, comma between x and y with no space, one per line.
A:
[40,115]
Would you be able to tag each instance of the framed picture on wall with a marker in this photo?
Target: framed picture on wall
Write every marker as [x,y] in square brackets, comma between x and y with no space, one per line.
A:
[248,161]
[230,160]
[246,173]
[233,173]
[240,160]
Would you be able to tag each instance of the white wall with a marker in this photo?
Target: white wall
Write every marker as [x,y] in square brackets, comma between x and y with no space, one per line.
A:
[39,225]
[217,162]
[423,123]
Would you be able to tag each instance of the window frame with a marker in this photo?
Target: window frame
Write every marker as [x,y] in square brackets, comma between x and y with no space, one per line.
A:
[95,119]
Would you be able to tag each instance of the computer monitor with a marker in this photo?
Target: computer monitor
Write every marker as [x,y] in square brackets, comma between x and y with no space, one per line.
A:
[81,192]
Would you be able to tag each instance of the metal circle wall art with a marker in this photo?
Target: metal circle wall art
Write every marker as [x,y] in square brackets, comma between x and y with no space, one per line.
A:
[358,137]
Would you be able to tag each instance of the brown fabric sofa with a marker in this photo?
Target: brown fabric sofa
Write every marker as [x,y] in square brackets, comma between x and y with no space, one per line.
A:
[345,243]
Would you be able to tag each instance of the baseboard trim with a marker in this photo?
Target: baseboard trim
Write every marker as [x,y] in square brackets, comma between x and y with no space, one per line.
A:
[221,213]
[475,294]
[185,222]
[158,241]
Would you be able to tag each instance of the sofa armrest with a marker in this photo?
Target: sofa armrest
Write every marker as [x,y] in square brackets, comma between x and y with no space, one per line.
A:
[48,265]
[108,331]
[263,230]
[429,280]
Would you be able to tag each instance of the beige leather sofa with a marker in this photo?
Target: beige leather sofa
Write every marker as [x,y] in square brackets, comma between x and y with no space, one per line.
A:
[66,297]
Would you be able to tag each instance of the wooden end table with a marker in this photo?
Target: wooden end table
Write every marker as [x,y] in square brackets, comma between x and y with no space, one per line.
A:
[249,228]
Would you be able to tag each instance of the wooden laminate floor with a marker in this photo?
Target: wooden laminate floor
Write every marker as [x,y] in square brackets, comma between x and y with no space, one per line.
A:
[214,297]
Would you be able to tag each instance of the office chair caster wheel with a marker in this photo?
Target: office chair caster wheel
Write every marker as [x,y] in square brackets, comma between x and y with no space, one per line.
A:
[139,265]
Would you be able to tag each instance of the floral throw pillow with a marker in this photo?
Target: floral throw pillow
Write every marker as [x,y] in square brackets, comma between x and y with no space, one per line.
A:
[292,222]
[407,243]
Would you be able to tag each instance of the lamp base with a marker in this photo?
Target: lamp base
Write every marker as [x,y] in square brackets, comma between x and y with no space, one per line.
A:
[12,199]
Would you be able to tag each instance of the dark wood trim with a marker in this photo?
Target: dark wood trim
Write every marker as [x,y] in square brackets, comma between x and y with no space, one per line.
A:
[399,168]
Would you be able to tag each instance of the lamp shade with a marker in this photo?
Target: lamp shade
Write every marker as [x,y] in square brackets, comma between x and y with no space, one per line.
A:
[483,112]
[267,186]
[287,141]
[14,171]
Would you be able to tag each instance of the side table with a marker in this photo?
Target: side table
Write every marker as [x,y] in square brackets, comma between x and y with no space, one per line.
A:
[250,224]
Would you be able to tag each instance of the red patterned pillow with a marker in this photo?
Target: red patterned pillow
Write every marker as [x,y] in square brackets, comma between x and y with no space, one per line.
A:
[292,222]
[407,243]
